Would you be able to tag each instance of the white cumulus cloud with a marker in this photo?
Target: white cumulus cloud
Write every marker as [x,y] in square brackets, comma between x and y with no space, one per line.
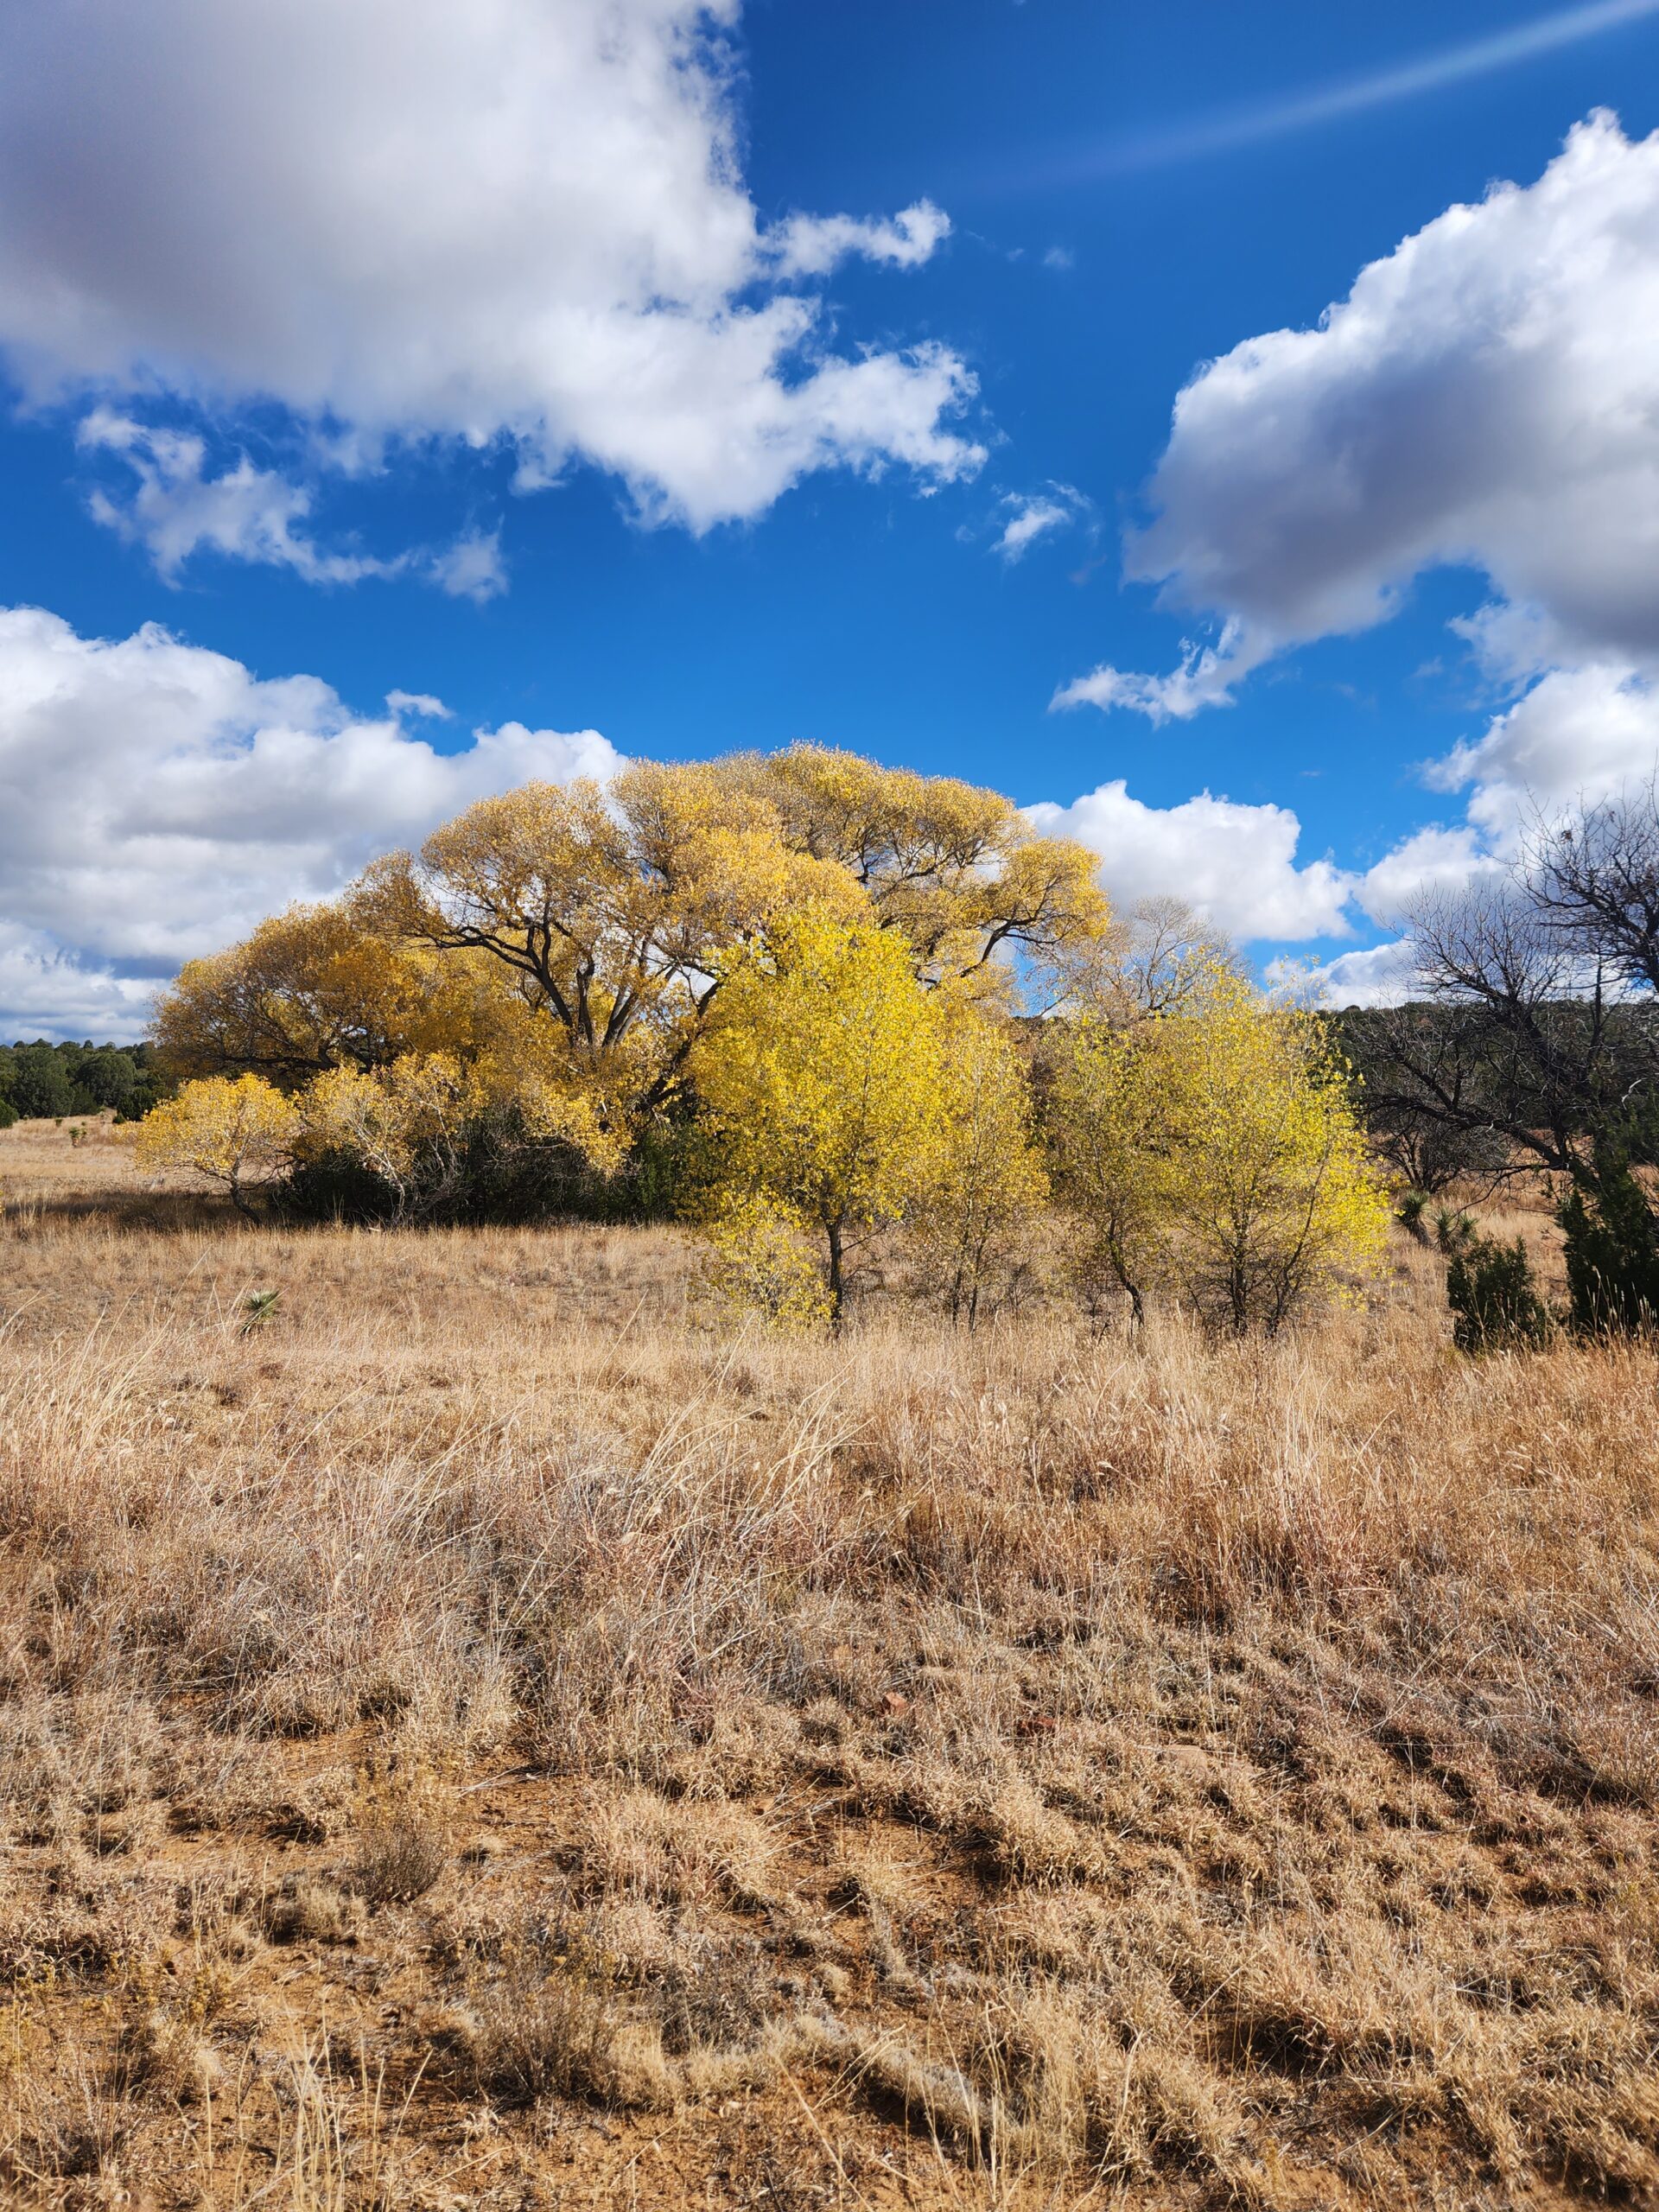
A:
[470,569]
[157,799]
[1204,678]
[1382,975]
[1434,859]
[1234,863]
[1579,734]
[176,507]
[45,991]
[1486,395]
[404,219]
[419,702]
[1576,736]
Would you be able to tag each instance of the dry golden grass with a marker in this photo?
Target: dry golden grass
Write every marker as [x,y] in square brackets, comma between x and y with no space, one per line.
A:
[477,1737]
[83,1163]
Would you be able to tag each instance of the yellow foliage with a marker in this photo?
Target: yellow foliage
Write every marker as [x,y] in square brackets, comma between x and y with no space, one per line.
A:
[405,1123]
[538,880]
[550,1106]
[318,988]
[226,1130]
[822,1075]
[1277,1197]
[409,1124]
[760,1263]
[958,869]
[1213,1146]
[297,997]
[990,1186]
[1108,1127]
[605,911]
[565,943]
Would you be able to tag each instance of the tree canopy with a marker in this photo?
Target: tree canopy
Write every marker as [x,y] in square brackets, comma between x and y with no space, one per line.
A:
[1213,1144]
[823,1076]
[608,917]
[789,996]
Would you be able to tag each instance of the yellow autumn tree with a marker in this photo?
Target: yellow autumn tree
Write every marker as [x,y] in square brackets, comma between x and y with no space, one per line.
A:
[956,869]
[602,917]
[1212,1148]
[1107,1129]
[606,910]
[550,959]
[410,1125]
[234,1131]
[975,1223]
[407,1125]
[318,988]
[762,1262]
[308,991]
[822,1080]
[1274,1197]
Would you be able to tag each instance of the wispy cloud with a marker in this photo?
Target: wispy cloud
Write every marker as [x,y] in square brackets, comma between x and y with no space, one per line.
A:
[177,508]
[1027,516]
[1225,129]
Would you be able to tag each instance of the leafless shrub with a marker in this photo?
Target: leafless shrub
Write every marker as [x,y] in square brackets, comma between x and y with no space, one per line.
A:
[308,1908]
[401,1852]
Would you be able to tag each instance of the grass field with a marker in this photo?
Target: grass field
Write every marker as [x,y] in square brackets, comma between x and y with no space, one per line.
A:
[477,1735]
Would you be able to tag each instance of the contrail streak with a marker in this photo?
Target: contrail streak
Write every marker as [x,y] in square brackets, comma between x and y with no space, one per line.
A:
[1221,132]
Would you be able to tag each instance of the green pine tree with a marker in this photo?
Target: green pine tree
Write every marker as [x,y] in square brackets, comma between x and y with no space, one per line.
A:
[1612,1254]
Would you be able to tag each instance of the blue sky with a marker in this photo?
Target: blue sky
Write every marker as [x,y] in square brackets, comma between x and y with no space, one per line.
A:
[318,357]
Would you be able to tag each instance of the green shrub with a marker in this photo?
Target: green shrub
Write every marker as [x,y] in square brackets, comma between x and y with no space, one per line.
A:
[1490,1288]
[149,1091]
[50,1081]
[38,1083]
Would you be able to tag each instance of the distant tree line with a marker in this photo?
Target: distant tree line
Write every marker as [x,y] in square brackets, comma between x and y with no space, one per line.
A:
[41,1081]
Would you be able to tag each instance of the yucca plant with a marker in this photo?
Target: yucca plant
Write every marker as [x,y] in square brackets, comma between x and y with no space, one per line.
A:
[258,1308]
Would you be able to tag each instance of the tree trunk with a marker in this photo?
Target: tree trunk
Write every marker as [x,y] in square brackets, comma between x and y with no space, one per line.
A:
[1125,1283]
[833,1230]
